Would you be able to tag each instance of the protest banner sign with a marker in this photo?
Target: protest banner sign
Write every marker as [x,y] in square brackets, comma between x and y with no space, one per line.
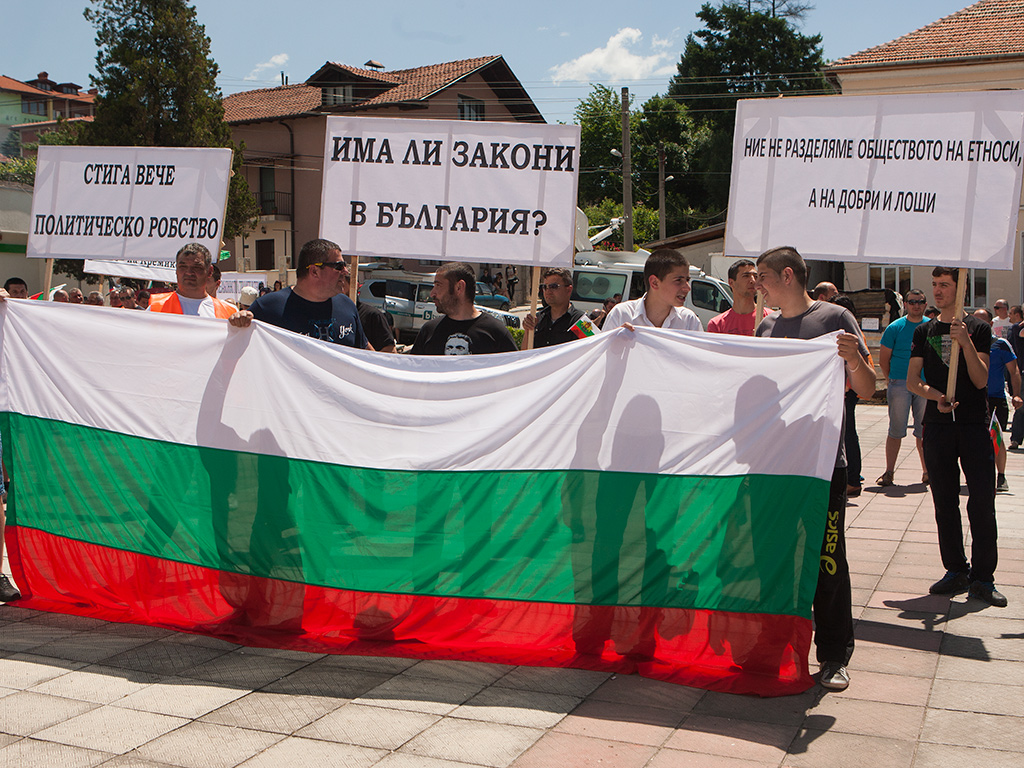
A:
[275,490]
[918,179]
[118,203]
[162,270]
[232,283]
[451,190]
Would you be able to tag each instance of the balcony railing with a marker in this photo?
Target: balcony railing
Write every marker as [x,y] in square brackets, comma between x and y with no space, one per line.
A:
[274,203]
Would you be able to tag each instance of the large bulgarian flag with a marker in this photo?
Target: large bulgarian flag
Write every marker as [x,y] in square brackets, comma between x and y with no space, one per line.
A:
[648,501]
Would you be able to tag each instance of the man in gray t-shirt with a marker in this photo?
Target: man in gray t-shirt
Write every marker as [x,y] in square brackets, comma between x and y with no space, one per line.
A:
[782,277]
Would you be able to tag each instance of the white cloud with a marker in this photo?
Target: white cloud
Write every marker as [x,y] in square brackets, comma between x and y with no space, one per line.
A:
[274,62]
[616,61]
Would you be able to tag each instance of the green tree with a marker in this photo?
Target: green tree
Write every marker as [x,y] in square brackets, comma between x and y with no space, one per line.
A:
[740,53]
[787,9]
[158,87]
[19,169]
[599,116]
[660,122]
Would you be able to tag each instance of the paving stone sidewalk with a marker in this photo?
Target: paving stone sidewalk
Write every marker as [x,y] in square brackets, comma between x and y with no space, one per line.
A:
[936,682]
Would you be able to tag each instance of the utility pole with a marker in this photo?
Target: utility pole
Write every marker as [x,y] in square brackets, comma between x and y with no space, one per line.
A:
[627,178]
[661,190]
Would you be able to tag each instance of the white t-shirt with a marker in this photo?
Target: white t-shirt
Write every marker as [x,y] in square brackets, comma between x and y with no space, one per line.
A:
[1001,326]
[679,318]
[201,307]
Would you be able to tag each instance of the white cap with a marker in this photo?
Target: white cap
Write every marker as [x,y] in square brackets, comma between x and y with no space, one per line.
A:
[247,296]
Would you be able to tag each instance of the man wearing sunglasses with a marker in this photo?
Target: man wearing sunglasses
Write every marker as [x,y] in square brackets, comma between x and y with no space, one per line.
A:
[554,323]
[894,358]
[317,305]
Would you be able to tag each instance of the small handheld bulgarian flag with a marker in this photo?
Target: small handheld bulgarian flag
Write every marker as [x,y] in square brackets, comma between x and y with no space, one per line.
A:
[39,296]
[997,434]
[583,328]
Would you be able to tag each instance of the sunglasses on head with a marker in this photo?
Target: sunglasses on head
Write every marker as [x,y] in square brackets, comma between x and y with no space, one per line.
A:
[916,302]
[552,286]
[341,266]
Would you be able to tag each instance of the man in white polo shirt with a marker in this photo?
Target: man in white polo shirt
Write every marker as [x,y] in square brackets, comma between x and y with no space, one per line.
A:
[667,276]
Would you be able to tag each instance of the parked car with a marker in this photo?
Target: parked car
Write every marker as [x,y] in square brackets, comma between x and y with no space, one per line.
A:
[493,300]
[510,320]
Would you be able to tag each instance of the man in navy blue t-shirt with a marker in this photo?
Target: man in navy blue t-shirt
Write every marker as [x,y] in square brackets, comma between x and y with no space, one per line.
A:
[316,306]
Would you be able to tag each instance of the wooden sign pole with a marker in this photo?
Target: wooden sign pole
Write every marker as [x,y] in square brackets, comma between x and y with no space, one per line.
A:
[954,350]
[353,280]
[758,310]
[48,280]
[534,289]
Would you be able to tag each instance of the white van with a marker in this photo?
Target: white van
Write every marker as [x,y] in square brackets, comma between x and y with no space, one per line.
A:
[405,296]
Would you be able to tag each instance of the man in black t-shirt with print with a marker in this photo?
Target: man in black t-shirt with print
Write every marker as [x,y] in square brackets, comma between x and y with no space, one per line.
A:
[464,330]
[958,433]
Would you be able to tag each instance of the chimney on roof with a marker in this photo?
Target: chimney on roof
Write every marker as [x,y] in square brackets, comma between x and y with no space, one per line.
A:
[44,76]
[374,64]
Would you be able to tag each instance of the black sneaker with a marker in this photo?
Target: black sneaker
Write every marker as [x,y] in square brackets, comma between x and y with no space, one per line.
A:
[1001,485]
[834,676]
[954,582]
[8,592]
[986,590]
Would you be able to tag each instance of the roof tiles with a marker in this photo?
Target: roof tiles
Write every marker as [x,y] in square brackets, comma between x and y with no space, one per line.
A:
[987,28]
[267,103]
[291,100]
[10,84]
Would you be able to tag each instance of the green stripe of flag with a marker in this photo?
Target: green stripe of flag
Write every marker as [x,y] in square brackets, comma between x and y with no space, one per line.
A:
[554,536]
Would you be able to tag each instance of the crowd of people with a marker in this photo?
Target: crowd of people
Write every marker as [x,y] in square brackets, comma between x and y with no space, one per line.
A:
[915,359]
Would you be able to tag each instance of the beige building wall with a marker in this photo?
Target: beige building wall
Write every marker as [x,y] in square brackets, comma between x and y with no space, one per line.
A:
[976,74]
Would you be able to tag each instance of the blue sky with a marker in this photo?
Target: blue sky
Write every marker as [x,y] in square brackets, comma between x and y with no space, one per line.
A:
[555,49]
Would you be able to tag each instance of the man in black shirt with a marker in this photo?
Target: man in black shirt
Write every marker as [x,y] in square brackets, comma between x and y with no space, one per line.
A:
[554,324]
[960,435]
[464,330]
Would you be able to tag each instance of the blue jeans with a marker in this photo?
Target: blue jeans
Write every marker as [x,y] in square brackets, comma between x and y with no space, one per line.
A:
[901,402]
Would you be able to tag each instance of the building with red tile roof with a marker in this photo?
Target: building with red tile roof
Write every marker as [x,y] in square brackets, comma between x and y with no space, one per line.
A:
[283,129]
[980,47]
[41,100]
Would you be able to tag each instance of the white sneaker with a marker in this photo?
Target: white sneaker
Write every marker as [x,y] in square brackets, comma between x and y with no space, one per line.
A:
[834,676]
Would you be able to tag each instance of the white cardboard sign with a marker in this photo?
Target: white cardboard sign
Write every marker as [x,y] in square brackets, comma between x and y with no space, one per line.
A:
[452,190]
[118,203]
[908,179]
[163,271]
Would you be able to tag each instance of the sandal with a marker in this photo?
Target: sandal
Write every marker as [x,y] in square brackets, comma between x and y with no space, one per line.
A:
[886,479]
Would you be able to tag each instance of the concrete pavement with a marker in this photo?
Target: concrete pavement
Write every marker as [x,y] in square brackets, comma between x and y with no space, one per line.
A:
[935,682]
